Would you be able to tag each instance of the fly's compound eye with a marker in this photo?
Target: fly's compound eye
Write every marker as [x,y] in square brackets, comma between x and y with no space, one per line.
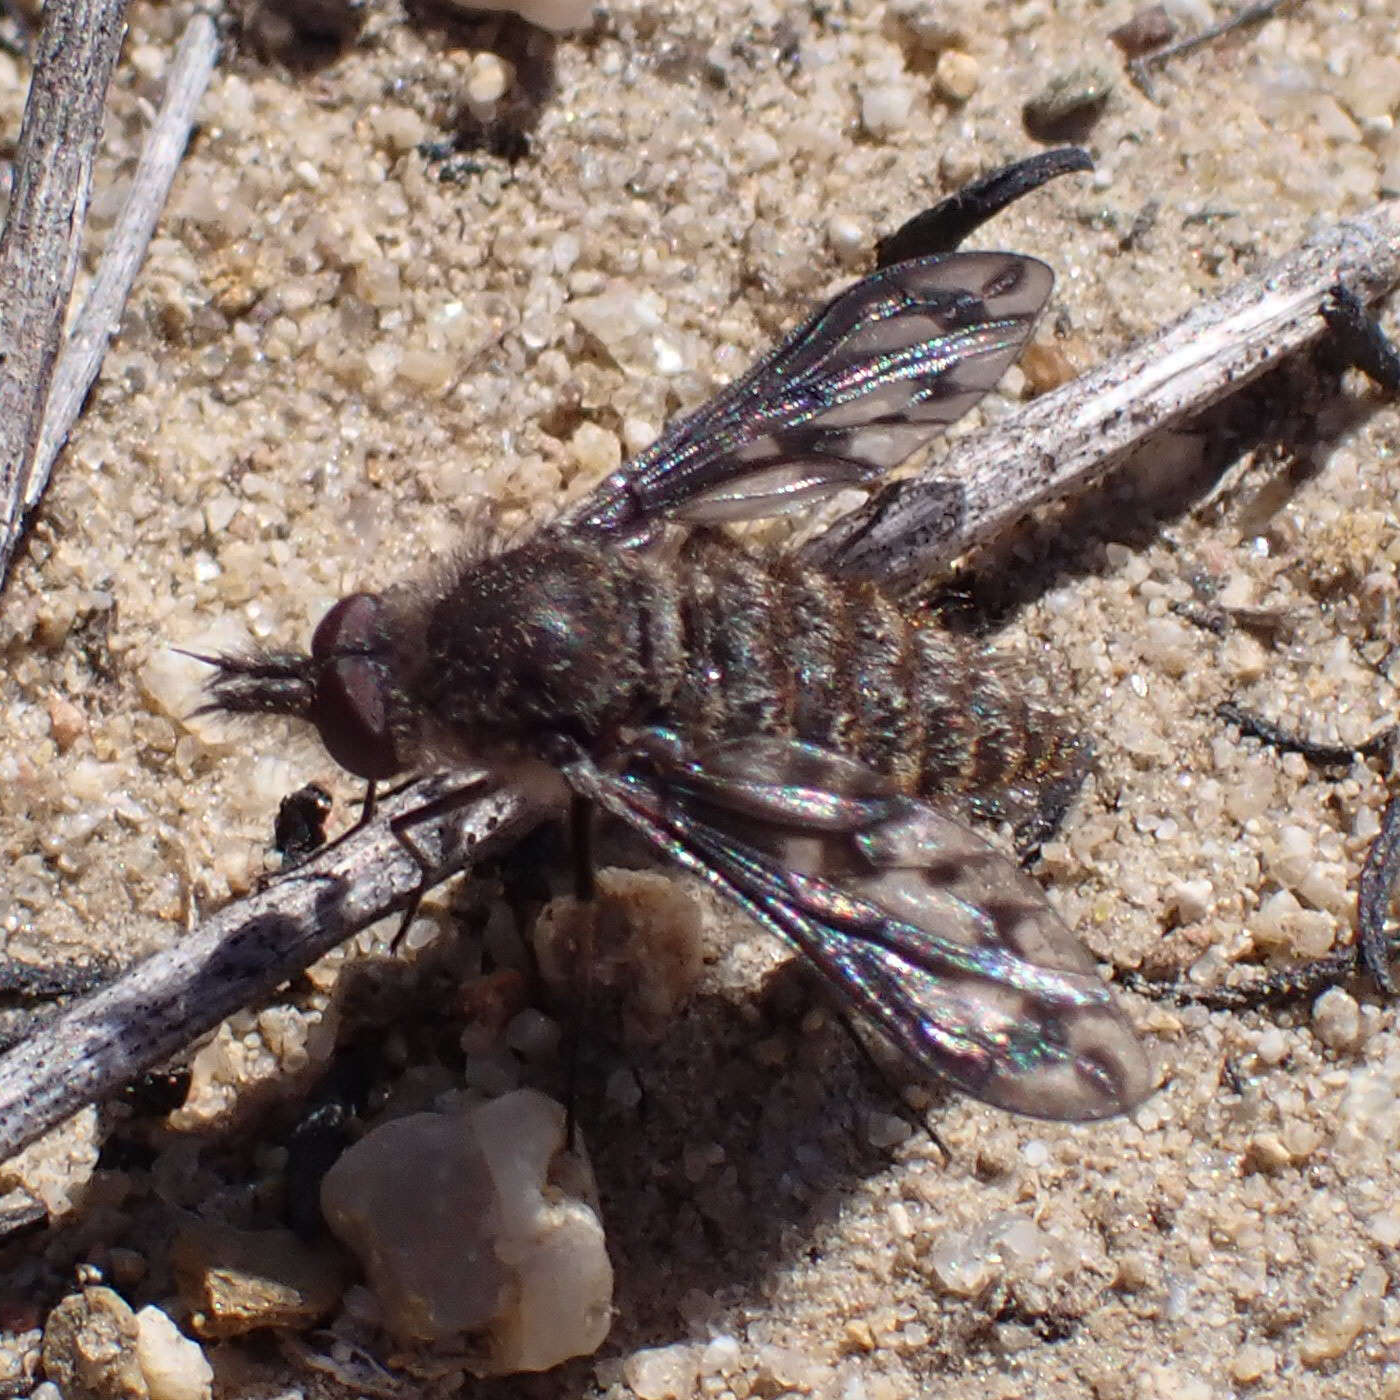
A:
[351,708]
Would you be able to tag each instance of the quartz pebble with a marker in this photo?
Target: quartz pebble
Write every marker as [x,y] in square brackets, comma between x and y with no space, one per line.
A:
[487,80]
[90,1348]
[1333,1330]
[498,1243]
[557,16]
[662,1373]
[957,75]
[173,1364]
[1337,1019]
[885,107]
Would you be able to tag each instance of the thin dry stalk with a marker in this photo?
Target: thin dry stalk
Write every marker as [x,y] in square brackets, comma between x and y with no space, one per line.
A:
[97,322]
[39,247]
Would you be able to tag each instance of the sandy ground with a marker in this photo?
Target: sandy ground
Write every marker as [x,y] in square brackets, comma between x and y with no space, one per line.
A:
[341,349]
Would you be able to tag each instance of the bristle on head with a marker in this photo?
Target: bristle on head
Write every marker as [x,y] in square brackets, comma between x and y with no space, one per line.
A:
[264,683]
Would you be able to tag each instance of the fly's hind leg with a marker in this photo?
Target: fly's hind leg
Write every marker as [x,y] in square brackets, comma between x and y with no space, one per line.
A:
[1358,338]
[1381,870]
[1059,776]
[581,820]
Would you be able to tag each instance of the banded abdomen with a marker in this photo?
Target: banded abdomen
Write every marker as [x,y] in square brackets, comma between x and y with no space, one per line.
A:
[771,647]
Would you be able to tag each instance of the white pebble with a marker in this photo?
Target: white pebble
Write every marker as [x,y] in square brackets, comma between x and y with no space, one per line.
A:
[1385,1228]
[595,450]
[1333,1330]
[398,128]
[957,75]
[1337,1019]
[637,433]
[1282,925]
[721,1356]
[1252,1363]
[429,370]
[497,1235]
[557,16]
[488,79]
[1169,645]
[1190,900]
[1372,89]
[662,1373]
[1243,657]
[885,109]
[759,150]
[1251,790]
[1292,855]
[1272,1046]
[847,237]
[174,1365]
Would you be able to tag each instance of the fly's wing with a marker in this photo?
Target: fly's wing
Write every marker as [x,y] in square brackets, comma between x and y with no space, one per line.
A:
[939,940]
[849,394]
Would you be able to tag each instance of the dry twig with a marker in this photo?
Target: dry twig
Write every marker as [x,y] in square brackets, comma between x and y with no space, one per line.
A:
[1140,69]
[238,956]
[77,51]
[189,75]
[1066,440]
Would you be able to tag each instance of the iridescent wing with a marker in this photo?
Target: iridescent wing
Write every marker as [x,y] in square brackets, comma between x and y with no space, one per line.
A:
[935,938]
[849,394]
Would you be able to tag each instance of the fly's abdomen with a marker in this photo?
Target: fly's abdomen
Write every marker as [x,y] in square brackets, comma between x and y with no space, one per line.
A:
[769,647]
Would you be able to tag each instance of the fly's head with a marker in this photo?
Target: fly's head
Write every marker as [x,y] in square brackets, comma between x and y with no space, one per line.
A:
[344,688]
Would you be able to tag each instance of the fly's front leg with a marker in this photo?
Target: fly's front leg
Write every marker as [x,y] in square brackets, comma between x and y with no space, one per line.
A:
[441,806]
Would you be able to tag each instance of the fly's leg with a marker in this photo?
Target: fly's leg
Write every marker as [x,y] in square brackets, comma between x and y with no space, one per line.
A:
[1374,892]
[401,826]
[920,1122]
[1255,726]
[1376,887]
[1073,758]
[1373,948]
[1140,69]
[585,914]
[1359,339]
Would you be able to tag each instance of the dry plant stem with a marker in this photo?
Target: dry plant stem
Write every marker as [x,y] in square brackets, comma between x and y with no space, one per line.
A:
[1056,444]
[239,956]
[76,53]
[1140,69]
[1064,441]
[189,75]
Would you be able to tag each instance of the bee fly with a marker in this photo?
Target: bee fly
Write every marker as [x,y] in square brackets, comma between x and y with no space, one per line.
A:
[798,739]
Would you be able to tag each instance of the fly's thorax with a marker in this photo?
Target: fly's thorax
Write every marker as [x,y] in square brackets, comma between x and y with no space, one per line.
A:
[557,637]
